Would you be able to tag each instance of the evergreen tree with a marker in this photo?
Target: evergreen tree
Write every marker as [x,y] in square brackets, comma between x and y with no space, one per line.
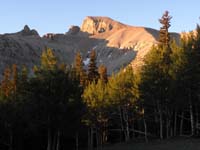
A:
[55,95]
[15,77]
[78,63]
[11,106]
[92,67]
[6,85]
[190,74]
[156,78]
[103,73]
[80,71]
[48,59]
[164,40]
[164,36]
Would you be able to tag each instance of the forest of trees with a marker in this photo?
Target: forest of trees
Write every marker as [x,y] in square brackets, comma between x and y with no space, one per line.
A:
[59,106]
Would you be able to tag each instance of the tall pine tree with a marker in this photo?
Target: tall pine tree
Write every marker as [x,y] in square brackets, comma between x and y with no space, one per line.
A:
[156,75]
[164,36]
[103,73]
[93,74]
[80,71]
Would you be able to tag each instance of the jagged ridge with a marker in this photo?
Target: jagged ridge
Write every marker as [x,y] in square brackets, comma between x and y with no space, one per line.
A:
[116,44]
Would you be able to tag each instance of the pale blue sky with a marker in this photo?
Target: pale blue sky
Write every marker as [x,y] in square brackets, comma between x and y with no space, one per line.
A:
[57,15]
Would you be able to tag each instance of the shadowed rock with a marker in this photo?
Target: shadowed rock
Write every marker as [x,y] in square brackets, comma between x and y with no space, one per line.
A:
[27,32]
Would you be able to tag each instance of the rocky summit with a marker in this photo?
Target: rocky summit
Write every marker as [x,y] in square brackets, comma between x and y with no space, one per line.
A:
[115,43]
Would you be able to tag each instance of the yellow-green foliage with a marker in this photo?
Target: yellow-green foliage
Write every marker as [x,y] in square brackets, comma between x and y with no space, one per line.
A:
[48,59]
[96,95]
[121,88]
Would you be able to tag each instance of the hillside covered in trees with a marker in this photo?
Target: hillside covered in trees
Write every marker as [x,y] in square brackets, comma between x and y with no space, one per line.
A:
[59,106]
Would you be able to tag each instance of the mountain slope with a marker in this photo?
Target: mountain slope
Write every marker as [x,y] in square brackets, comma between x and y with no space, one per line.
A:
[116,44]
[123,37]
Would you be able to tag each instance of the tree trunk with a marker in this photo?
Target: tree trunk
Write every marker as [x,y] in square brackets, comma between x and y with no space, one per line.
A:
[171,130]
[167,127]
[161,126]
[168,123]
[127,132]
[145,129]
[133,128]
[77,142]
[11,139]
[161,122]
[197,120]
[191,118]
[160,119]
[156,118]
[58,140]
[104,133]
[49,139]
[155,115]
[175,122]
[97,139]
[181,123]
[121,122]
[89,139]
[54,140]
[103,136]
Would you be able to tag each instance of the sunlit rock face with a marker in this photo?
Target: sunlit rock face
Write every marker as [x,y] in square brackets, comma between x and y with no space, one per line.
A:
[117,35]
[95,25]
[115,43]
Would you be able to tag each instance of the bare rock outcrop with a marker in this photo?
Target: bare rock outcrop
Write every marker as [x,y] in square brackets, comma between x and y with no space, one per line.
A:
[73,30]
[95,25]
[123,37]
[27,31]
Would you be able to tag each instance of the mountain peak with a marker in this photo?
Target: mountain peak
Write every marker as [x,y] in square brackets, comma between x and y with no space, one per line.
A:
[98,24]
[27,31]
[26,28]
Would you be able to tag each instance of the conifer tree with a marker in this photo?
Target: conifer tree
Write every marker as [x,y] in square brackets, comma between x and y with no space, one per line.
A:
[48,59]
[103,73]
[78,63]
[164,39]
[92,68]
[11,103]
[15,77]
[164,36]
[80,71]
[6,85]
[190,74]
[156,78]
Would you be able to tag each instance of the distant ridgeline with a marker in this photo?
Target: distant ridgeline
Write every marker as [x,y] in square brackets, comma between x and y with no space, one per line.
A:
[116,44]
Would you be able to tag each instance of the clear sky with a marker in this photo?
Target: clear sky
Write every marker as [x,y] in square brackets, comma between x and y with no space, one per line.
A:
[57,16]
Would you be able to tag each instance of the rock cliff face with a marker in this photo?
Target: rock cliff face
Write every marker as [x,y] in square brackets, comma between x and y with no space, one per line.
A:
[116,44]
[95,25]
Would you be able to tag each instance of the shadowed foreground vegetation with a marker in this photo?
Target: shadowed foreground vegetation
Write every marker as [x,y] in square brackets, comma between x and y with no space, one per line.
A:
[172,144]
